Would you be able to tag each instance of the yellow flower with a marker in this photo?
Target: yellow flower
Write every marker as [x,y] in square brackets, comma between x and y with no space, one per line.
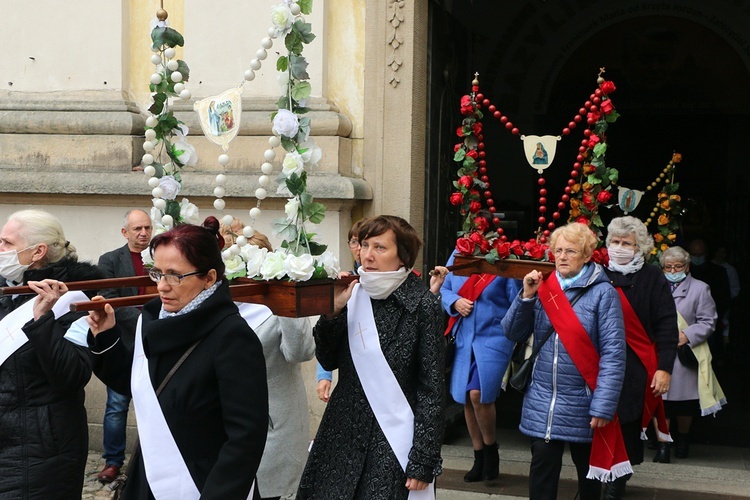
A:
[575,188]
[587,186]
[663,195]
[575,212]
[675,197]
[663,220]
[658,238]
[654,251]
[664,204]
[676,158]
[672,237]
[664,247]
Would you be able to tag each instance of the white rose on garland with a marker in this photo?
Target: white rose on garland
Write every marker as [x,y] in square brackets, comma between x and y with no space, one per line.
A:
[293,164]
[273,266]
[182,149]
[310,153]
[146,258]
[235,267]
[330,264]
[156,225]
[170,187]
[282,19]
[286,123]
[292,209]
[299,268]
[189,212]
[254,256]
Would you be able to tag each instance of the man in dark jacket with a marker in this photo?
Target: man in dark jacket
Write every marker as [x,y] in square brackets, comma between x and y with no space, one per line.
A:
[43,425]
[121,263]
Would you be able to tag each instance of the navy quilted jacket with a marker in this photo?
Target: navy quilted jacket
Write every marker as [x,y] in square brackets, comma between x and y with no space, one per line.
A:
[558,404]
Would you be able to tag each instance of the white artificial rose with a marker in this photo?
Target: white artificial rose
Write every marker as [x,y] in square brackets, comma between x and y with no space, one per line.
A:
[282,19]
[282,78]
[185,152]
[170,186]
[273,266]
[146,258]
[234,265]
[156,226]
[254,256]
[330,264]
[189,212]
[292,164]
[286,123]
[312,156]
[292,209]
[299,268]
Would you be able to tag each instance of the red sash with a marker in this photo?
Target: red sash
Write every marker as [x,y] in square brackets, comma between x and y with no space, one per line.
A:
[471,290]
[639,341]
[609,459]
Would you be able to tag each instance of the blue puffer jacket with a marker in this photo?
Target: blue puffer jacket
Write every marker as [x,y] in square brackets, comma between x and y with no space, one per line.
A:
[558,404]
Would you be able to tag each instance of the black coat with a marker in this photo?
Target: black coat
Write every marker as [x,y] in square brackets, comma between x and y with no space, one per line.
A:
[216,404]
[648,292]
[43,425]
[351,457]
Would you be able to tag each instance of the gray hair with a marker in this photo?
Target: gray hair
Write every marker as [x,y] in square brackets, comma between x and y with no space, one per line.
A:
[127,216]
[627,225]
[38,226]
[673,254]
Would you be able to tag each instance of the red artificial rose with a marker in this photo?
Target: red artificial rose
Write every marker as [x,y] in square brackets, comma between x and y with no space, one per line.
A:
[466,181]
[465,246]
[481,224]
[460,132]
[474,194]
[457,147]
[502,247]
[583,220]
[472,153]
[516,248]
[477,128]
[466,101]
[475,207]
[537,251]
[588,200]
[593,140]
[607,87]
[467,108]
[600,256]
[478,239]
[606,106]
[593,116]
[457,199]
[603,196]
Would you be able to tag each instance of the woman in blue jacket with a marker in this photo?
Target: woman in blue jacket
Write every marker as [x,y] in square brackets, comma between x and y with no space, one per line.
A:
[481,357]
[559,406]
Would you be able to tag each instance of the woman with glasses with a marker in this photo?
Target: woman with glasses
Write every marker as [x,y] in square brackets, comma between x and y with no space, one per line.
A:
[650,333]
[202,433]
[578,371]
[697,316]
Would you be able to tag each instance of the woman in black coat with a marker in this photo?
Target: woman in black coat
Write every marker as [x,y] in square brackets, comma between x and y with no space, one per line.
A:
[629,245]
[351,456]
[43,429]
[216,405]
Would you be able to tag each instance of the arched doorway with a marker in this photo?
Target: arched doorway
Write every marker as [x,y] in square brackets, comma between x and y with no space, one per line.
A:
[681,68]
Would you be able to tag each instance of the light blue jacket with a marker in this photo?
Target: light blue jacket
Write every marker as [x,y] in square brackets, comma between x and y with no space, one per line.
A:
[558,404]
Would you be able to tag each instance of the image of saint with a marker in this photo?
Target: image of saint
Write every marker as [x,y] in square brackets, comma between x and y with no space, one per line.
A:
[540,155]
[213,119]
[627,203]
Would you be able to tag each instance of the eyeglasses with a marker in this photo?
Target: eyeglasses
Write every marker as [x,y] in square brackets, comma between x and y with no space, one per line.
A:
[171,279]
[569,252]
[674,267]
[354,242]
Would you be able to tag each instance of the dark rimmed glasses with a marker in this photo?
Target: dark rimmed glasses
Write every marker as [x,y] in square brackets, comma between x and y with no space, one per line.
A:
[171,279]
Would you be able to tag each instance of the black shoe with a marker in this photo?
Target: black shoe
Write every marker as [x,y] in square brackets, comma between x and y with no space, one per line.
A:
[475,474]
[616,489]
[491,467]
[681,445]
[662,455]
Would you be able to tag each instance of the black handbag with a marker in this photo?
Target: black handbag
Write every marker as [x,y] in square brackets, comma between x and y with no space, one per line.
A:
[687,357]
[520,378]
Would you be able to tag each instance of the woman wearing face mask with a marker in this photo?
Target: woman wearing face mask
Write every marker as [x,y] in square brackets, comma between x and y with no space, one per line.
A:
[697,316]
[43,369]
[650,333]
[382,430]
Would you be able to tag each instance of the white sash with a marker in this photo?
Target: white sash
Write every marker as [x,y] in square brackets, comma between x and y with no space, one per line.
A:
[254,314]
[166,471]
[385,396]
[11,333]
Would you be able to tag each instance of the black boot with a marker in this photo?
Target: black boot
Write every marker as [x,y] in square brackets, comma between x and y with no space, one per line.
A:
[616,489]
[681,445]
[662,455]
[491,467]
[475,474]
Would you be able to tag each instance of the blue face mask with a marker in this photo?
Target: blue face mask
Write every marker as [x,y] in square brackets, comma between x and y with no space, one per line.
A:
[698,260]
[675,277]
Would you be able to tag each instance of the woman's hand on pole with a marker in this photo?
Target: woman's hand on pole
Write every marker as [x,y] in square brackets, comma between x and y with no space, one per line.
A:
[103,320]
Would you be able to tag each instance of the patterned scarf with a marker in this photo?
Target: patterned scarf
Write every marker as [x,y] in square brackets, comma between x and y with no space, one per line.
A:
[192,305]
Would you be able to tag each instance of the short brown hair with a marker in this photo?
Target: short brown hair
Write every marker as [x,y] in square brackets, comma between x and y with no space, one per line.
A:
[407,239]
[354,230]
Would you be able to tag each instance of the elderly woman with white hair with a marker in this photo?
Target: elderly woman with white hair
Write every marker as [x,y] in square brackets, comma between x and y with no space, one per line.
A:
[43,369]
[650,334]
[697,316]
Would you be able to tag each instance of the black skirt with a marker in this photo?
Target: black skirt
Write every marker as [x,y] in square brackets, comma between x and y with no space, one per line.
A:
[688,408]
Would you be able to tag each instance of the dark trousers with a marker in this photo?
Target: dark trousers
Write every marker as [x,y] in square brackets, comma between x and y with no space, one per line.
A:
[546,463]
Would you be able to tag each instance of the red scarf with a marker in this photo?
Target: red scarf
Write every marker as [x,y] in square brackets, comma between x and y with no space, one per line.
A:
[471,290]
[639,341]
[609,459]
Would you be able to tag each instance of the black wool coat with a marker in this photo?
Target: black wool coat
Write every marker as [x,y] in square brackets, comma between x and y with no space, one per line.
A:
[43,429]
[647,290]
[351,457]
[216,404]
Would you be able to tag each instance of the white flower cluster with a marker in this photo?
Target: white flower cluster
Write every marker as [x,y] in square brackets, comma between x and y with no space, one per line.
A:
[255,262]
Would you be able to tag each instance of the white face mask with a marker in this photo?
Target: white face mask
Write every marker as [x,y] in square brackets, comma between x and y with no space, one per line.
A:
[379,285]
[10,267]
[620,254]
